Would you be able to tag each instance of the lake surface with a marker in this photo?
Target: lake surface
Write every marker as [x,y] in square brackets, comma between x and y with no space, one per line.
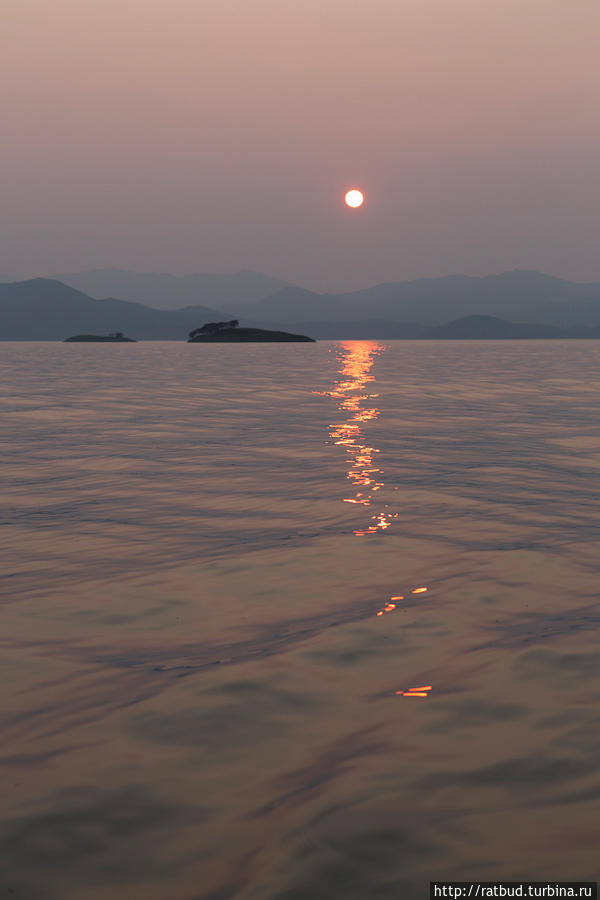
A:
[200,700]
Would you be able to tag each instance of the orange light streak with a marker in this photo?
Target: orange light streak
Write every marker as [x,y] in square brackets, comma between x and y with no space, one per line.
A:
[389,606]
[415,692]
[350,392]
[420,590]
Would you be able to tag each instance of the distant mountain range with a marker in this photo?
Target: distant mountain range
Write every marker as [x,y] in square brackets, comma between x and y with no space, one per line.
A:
[521,296]
[163,291]
[474,327]
[512,305]
[46,310]
[492,328]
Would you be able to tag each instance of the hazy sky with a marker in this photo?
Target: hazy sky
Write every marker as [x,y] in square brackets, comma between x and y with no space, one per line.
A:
[188,135]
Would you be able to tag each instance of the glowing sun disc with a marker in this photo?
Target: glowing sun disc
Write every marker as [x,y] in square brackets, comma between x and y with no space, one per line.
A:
[354,198]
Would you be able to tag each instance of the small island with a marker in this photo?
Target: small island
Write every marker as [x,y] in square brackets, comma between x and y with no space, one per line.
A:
[115,337]
[230,332]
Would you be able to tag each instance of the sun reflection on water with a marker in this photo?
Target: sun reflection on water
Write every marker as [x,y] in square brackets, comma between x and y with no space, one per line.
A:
[415,692]
[356,360]
[355,400]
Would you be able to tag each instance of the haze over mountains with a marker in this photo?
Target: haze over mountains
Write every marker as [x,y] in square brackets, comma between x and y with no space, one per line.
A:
[163,291]
[521,296]
[49,309]
[45,310]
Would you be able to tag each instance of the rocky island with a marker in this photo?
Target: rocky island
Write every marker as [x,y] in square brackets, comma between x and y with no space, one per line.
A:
[116,337]
[230,332]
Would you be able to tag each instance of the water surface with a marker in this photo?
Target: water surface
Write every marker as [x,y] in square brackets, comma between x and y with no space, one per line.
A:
[212,634]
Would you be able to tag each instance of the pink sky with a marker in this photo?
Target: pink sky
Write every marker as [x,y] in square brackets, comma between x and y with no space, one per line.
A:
[187,135]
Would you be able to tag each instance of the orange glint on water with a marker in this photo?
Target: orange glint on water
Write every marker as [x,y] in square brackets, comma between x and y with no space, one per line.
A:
[353,399]
[391,605]
[420,590]
[415,692]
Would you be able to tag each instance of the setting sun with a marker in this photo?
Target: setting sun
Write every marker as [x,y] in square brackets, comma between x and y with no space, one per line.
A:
[354,198]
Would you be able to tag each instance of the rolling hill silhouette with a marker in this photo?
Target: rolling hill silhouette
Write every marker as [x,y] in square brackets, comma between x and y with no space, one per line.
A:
[163,291]
[531,305]
[519,295]
[492,328]
[44,309]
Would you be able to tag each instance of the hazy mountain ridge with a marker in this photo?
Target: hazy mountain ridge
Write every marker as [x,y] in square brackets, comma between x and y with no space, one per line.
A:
[522,296]
[519,295]
[161,290]
[46,309]
[477,327]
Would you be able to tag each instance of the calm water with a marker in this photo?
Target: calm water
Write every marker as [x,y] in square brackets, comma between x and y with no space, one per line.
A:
[200,699]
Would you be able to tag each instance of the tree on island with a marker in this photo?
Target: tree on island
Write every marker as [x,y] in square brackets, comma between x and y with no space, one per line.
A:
[214,327]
